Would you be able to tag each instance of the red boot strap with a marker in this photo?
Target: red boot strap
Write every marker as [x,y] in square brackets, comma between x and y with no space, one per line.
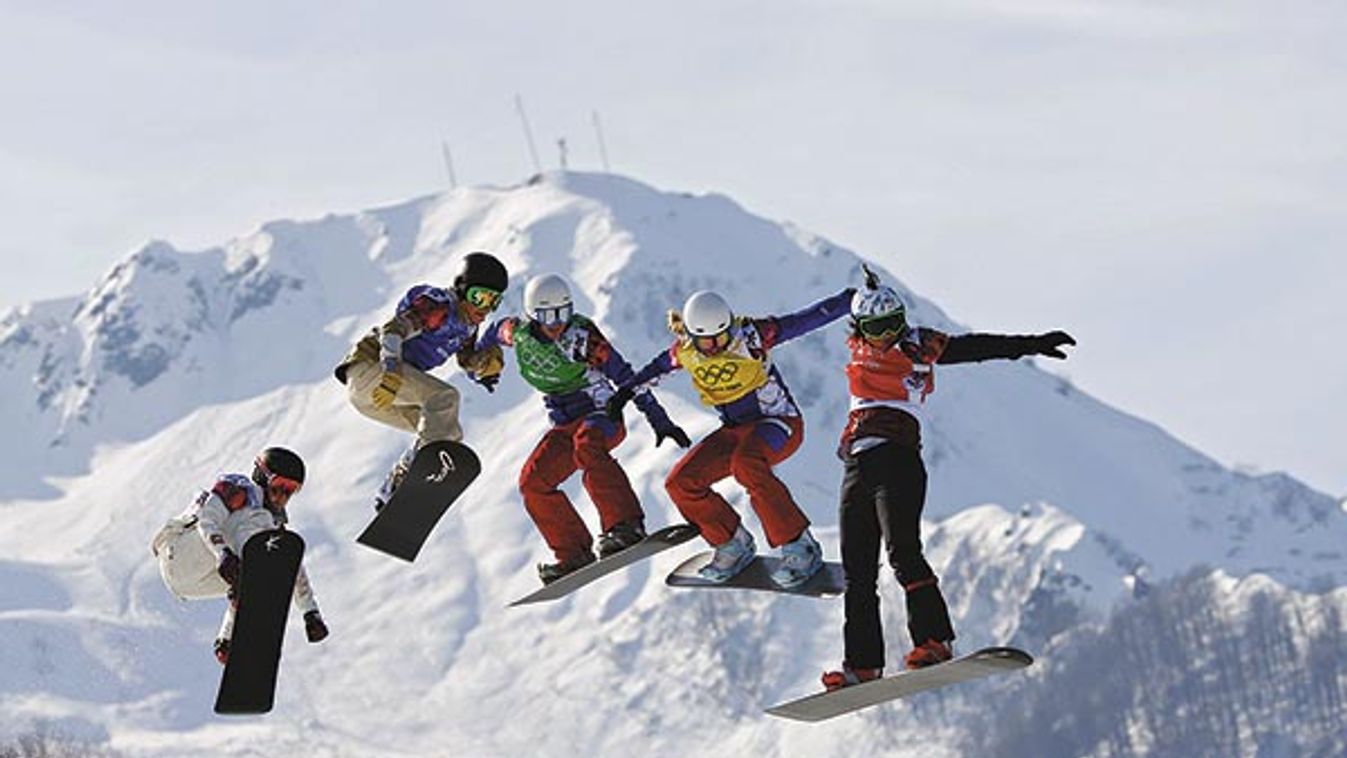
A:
[834,680]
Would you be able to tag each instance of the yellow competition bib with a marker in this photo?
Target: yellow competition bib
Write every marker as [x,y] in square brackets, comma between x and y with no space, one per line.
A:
[725,377]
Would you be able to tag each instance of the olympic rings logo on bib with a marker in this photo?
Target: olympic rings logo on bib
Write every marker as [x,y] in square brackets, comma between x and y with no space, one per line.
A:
[714,374]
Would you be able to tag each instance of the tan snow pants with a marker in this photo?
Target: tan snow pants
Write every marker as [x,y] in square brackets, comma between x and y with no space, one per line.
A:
[423,404]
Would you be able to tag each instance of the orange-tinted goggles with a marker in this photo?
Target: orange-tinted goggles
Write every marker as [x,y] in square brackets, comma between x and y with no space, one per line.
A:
[279,485]
[712,344]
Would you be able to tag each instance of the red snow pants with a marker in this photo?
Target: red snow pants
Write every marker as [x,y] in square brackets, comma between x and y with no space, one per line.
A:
[583,444]
[747,452]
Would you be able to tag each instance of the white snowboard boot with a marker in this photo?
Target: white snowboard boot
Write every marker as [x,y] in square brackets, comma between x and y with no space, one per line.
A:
[732,556]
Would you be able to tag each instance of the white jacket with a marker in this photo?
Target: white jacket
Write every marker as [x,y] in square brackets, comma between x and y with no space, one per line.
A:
[189,546]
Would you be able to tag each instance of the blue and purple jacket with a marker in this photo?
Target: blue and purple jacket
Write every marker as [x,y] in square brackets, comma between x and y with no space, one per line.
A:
[425,331]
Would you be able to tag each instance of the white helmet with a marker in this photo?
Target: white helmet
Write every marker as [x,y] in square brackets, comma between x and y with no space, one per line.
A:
[878,313]
[706,314]
[547,299]
[880,301]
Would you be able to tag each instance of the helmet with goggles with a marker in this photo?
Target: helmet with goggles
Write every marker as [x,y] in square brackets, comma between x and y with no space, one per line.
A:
[707,318]
[879,312]
[547,300]
[481,280]
[278,470]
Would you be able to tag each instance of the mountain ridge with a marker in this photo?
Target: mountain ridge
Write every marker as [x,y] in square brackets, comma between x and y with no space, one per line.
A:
[1047,508]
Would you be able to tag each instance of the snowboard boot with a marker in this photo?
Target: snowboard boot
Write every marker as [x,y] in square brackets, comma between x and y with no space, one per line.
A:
[222,651]
[550,572]
[928,653]
[836,680]
[620,537]
[801,558]
[732,556]
[394,478]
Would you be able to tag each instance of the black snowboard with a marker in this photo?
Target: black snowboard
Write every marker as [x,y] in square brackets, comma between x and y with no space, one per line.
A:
[826,705]
[655,542]
[270,562]
[438,475]
[830,580]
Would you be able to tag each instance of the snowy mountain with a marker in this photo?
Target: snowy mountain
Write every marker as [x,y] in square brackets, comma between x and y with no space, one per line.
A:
[1050,511]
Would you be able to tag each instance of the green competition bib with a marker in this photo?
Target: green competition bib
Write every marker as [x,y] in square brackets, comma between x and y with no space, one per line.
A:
[545,366]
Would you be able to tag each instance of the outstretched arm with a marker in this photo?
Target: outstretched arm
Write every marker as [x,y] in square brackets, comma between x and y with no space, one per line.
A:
[611,363]
[499,334]
[971,348]
[818,315]
[664,363]
[604,356]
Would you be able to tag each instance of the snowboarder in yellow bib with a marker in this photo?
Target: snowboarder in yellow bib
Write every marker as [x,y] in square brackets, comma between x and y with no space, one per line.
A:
[727,358]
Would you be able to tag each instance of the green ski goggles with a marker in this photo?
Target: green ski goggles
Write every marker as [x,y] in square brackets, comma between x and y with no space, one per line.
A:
[483,298]
[883,326]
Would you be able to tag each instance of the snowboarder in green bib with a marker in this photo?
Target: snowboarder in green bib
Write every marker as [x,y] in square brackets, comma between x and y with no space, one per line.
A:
[564,356]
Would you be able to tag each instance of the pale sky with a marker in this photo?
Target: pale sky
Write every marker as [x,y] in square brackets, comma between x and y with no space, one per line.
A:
[1167,183]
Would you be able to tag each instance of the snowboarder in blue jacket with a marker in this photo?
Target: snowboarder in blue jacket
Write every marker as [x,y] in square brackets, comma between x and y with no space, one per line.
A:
[387,374]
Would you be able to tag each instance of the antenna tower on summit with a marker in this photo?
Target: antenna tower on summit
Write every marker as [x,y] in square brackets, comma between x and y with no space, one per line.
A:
[449,164]
[528,134]
[603,149]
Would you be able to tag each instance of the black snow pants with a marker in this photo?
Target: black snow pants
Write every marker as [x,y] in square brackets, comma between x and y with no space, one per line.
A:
[883,492]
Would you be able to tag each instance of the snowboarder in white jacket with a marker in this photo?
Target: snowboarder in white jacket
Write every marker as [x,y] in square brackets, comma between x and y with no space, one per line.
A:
[199,551]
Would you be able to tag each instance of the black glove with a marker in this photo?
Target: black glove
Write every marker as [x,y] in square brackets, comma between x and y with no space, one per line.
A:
[1050,344]
[229,567]
[618,401]
[871,278]
[489,382]
[314,628]
[672,431]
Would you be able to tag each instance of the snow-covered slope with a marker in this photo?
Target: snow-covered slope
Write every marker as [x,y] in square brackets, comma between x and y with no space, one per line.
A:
[1052,507]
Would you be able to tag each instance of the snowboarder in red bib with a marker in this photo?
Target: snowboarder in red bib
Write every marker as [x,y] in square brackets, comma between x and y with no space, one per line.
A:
[199,551]
[387,372]
[728,359]
[890,373]
[564,356]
